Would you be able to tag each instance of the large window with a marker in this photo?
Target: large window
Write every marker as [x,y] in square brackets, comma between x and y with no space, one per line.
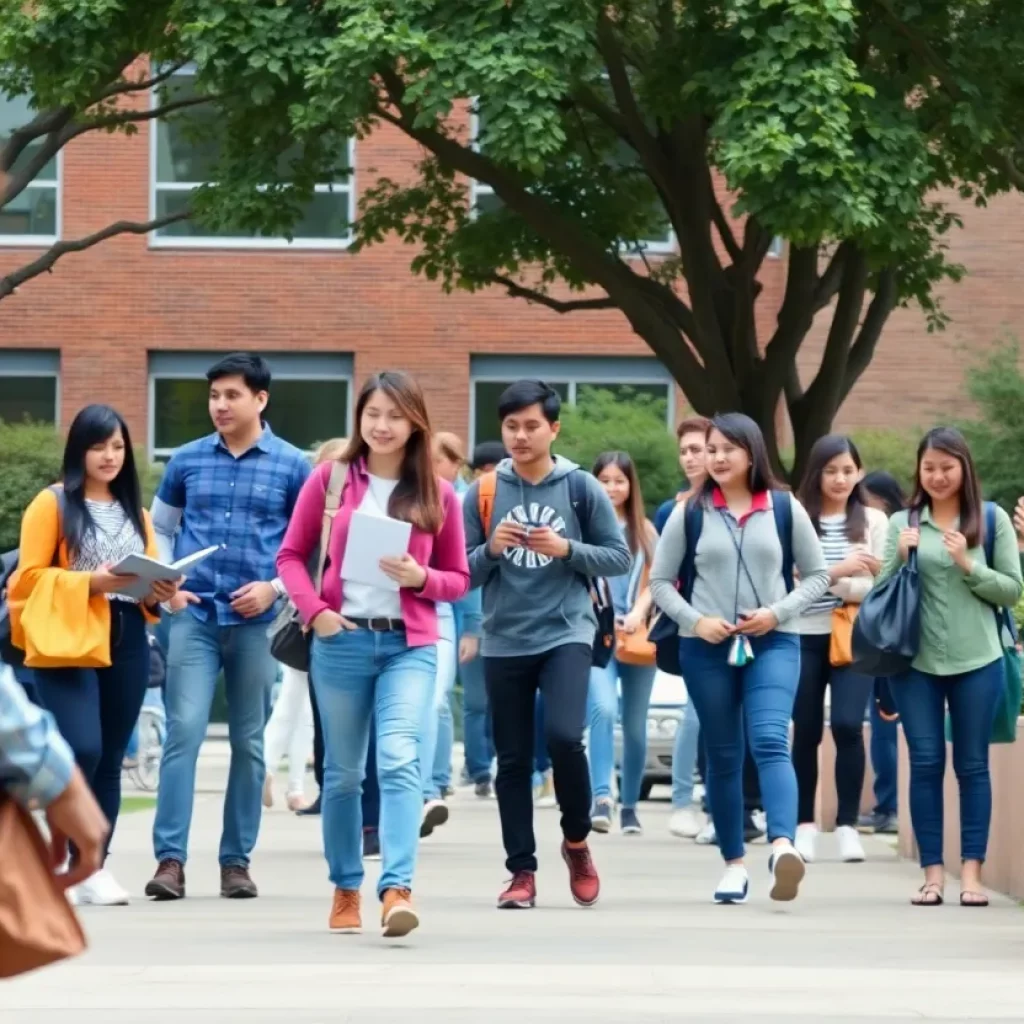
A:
[573,379]
[184,154]
[29,385]
[33,216]
[309,398]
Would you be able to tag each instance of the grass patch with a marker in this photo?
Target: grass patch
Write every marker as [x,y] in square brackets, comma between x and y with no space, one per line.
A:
[130,804]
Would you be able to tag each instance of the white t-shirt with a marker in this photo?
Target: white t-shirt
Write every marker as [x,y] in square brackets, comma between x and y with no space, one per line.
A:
[360,600]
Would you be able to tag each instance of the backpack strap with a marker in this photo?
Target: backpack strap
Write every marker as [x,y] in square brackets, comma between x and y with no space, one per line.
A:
[693,524]
[1004,618]
[486,488]
[332,502]
[579,498]
[782,510]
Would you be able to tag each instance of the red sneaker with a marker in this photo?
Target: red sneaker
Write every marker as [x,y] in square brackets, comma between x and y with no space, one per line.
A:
[583,881]
[520,893]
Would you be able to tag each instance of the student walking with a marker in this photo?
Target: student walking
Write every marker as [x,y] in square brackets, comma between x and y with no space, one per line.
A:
[853,540]
[83,629]
[730,551]
[631,602]
[374,648]
[959,665]
[536,531]
[233,490]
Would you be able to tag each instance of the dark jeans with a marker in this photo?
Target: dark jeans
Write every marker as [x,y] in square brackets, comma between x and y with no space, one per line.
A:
[884,759]
[850,692]
[318,738]
[754,701]
[562,675]
[371,785]
[751,783]
[972,698]
[541,759]
[96,709]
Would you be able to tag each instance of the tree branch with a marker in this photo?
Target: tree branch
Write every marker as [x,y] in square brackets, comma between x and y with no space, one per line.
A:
[863,349]
[44,123]
[831,279]
[122,88]
[724,228]
[558,305]
[10,282]
[132,116]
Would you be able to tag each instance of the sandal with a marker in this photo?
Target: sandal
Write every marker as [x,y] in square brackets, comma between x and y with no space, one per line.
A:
[929,895]
[975,898]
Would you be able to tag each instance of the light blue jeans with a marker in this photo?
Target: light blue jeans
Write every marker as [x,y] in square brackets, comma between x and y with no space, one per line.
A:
[197,652]
[355,674]
[439,732]
[602,710]
[684,757]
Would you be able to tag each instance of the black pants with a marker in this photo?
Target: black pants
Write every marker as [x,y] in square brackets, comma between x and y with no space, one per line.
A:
[562,675]
[850,693]
[318,739]
[96,708]
[751,780]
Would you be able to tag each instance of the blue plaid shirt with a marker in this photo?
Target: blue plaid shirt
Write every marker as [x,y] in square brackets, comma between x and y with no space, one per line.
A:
[242,505]
[35,762]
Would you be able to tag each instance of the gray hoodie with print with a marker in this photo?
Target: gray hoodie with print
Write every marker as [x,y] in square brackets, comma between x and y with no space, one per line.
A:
[532,603]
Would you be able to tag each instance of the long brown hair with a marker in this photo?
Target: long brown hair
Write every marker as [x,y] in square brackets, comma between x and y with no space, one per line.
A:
[950,441]
[417,498]
[637,535]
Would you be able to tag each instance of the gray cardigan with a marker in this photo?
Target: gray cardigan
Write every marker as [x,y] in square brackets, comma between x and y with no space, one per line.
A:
[716,591]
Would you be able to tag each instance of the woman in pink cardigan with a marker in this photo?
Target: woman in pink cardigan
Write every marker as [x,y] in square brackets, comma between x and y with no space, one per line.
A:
[374,649]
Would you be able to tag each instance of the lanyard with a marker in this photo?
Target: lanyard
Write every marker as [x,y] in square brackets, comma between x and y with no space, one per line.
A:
[740,563]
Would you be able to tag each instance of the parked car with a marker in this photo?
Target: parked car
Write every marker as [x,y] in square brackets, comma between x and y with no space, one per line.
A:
[664,716]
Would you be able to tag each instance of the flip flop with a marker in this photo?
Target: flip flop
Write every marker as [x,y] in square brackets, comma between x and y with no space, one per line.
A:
[929,889]
[982,901]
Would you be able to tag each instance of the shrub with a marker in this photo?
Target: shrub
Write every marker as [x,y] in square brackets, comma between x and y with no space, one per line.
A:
[631,421]
[894,451]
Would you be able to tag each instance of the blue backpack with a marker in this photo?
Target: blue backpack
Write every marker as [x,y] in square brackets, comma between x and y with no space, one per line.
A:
[664,633]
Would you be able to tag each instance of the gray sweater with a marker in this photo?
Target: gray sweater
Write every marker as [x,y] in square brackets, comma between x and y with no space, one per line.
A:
[716,568]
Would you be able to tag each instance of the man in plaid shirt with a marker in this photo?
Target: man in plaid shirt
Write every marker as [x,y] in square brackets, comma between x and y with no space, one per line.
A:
[235,490]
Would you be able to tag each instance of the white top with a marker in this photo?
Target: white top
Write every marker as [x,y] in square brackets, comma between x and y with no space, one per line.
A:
[111,538]
[359,600]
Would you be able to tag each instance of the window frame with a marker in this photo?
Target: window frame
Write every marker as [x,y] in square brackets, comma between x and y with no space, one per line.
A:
[42,241]
[186,371]
[158,241]
[41,362]
[593,372]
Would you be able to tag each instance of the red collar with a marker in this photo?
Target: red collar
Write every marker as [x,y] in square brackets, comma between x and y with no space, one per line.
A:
[760,501]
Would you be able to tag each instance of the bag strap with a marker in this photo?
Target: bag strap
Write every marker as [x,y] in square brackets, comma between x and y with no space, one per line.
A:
[782,510]
[332,502]
[1004,620]
[486,488]
[693,524]
[579,498]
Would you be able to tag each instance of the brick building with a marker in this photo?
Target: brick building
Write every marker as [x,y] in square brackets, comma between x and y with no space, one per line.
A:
[135,321]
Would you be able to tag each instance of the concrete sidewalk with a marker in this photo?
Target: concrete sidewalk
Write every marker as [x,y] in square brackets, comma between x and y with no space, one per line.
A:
[655,948]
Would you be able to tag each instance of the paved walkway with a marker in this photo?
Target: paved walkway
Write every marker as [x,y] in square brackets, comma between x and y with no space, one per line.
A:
[654,949]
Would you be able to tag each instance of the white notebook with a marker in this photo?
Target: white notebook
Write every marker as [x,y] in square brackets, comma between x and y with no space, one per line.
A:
[371,538]
[149,570]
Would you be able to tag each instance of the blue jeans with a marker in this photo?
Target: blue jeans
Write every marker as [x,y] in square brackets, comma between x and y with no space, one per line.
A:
[439,735]
[197,652]
[476,721]
[756,700]
[884,759]
[602,711]
[359,674]
[973,698]
[684,757]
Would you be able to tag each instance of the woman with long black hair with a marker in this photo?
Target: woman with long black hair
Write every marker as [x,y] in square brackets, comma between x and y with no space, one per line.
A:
[737,649]
[93,676]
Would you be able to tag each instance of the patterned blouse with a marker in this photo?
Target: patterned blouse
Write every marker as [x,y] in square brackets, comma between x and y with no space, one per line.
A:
[112,537]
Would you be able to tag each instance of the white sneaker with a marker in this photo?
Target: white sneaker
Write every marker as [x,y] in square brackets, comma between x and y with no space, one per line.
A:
[851,850]
[734,886]
[686,822]
[807,842]
[788,872]
[707,835]
[102,890]
[544,794]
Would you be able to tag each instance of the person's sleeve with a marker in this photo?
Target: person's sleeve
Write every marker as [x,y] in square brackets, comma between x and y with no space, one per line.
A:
[301,470]
[810,560]
[891,560]
[853,589]
[152,551]
[668,557]
[448,572]
[35,762]
[606,552]
[481,562]
[471,607]
[999,584]
[168,507]
[300,540]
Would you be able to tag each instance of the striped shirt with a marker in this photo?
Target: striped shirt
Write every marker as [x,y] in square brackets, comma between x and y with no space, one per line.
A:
[836,546]
[110,538]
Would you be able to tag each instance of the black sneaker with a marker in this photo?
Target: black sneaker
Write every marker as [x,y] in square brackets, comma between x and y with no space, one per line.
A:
[629,822]
[878,822]
[312,809]
[371,844]
[601,815]
[484,789]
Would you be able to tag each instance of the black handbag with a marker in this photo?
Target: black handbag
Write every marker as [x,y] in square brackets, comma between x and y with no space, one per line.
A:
[604,635]
[289,636]
[887,630]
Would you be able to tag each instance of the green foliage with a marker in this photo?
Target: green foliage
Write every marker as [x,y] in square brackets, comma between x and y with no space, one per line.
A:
[894,451]
[634,423]
[996,435]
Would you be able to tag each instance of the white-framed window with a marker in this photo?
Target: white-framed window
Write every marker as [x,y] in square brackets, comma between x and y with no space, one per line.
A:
[778,247]
[181,162]
[310,397]
[29,385]
[571,377]
[483,199]
[33,217]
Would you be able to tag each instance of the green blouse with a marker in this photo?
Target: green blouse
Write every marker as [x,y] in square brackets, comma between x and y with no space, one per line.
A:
[958,625]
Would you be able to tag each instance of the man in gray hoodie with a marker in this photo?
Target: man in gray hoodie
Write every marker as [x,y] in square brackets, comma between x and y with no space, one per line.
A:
[537,531]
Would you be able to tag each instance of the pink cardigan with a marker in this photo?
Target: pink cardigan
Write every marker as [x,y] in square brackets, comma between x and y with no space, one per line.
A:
[443,555]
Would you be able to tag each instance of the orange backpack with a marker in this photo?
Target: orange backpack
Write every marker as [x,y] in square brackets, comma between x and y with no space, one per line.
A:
[487,486]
